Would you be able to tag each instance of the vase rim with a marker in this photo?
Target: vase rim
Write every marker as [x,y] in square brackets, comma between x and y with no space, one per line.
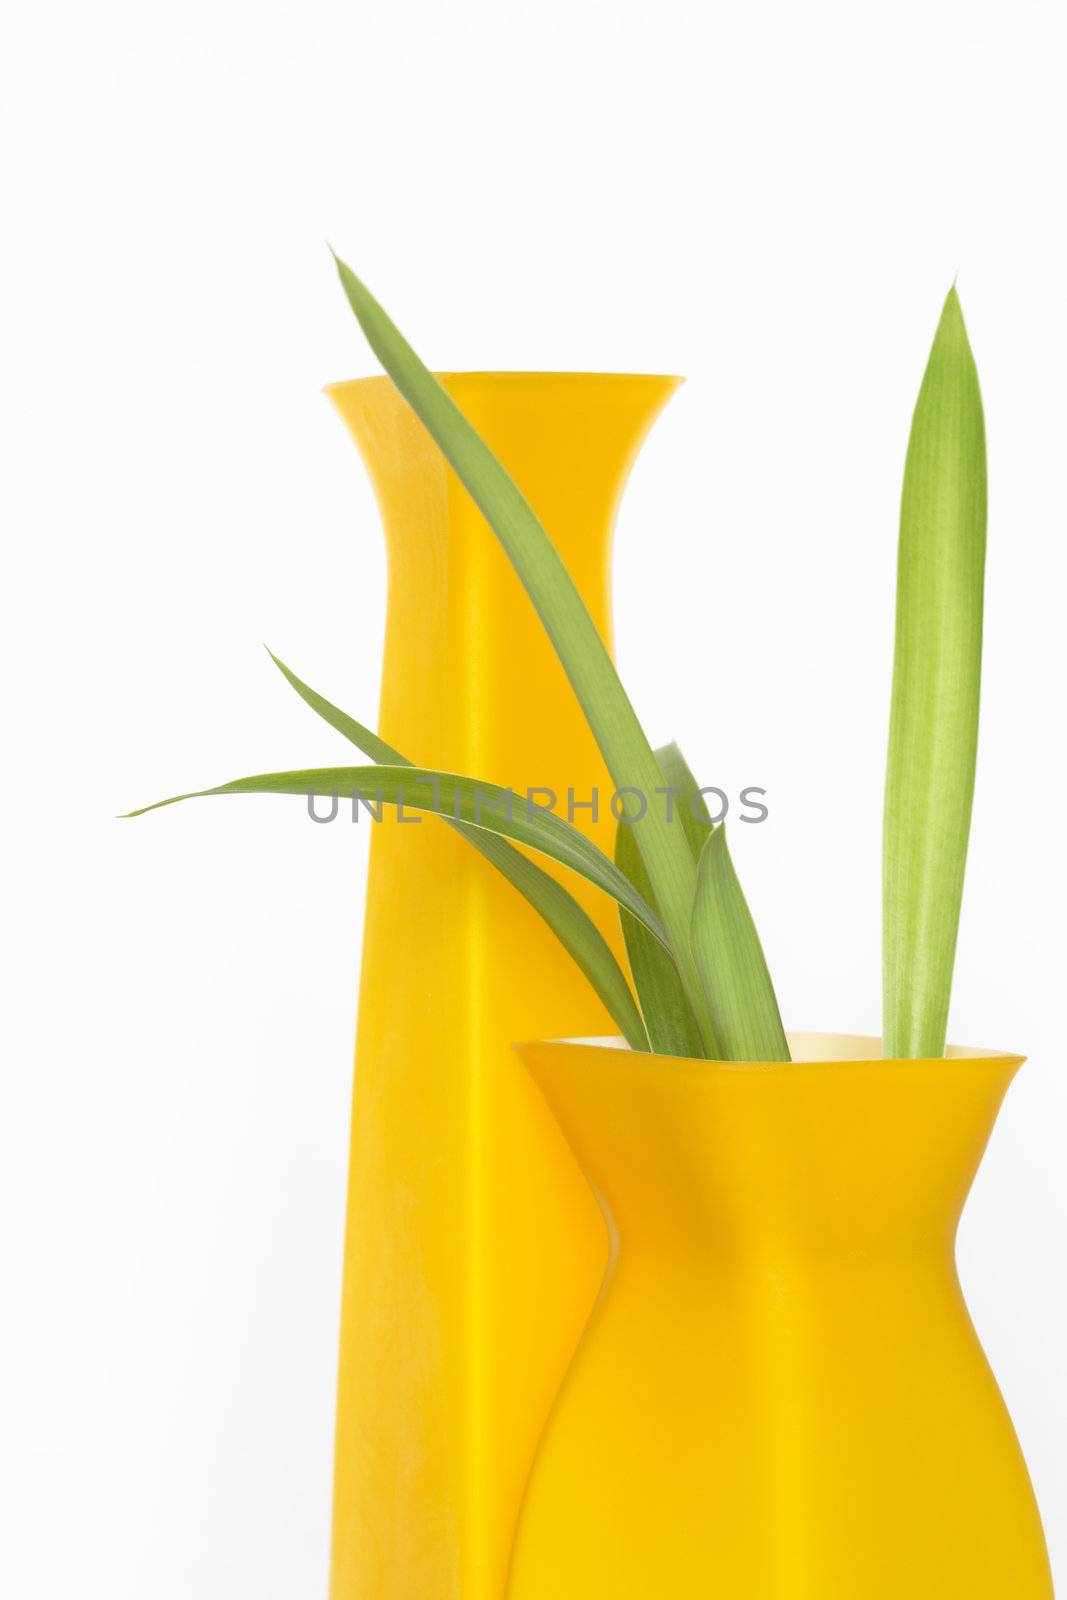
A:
[507,375]
[810,1050]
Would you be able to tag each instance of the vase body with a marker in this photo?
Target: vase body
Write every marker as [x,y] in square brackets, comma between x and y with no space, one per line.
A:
[474,1249]
[779,1395]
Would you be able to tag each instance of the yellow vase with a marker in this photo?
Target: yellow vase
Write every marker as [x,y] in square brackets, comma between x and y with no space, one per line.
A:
[780,1395]
[473,1249]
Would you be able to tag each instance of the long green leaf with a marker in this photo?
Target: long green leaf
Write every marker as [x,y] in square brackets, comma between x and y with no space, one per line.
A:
[582,652]
[672,1027]
[933,733]
[455,798]
[572,926]
[731,962]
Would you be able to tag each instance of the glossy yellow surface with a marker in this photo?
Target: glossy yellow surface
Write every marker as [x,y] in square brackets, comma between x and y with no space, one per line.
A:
[474,1248]
[780,1395]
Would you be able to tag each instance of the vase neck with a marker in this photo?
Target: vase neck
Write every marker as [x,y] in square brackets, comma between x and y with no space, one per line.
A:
[469,678]
[834,1158]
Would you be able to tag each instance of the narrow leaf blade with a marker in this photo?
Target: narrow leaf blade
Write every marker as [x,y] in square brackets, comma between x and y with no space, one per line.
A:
[668,1016]
[933,733]
[362,737]
[731,962]
[672,1027]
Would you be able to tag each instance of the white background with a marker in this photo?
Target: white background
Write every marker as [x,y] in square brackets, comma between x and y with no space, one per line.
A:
[772,199]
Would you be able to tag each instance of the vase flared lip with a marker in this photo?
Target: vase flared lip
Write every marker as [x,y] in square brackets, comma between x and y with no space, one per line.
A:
[810,1051]
[506,375]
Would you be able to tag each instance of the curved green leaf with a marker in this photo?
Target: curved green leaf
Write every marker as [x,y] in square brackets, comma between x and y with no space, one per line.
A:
[455,799]
[573,927]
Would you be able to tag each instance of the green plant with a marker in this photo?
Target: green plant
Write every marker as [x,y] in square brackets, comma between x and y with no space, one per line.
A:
[701,982]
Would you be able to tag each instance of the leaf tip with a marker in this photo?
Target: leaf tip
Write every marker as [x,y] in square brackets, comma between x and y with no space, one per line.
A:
[952,323]
[352,284]
[714,851]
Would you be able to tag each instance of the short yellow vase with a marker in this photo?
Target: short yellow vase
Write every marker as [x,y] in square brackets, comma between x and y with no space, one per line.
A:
[779,1395]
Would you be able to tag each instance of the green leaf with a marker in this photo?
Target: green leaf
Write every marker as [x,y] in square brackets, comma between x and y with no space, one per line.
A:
[933,734]
[585,659]
[731,962]
[573,927]
[668,1016]
[672,1027]
[454,798]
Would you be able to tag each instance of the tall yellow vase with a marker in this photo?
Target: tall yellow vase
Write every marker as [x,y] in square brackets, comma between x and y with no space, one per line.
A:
[474,1248]
[780,1395]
